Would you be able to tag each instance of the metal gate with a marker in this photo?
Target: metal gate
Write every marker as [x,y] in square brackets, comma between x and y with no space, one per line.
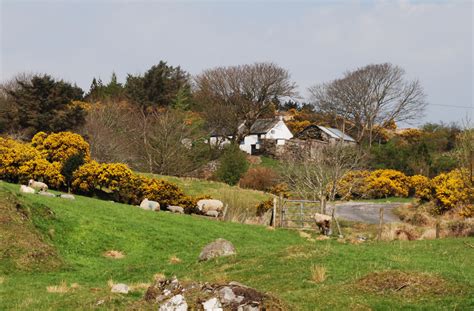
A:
[298,213]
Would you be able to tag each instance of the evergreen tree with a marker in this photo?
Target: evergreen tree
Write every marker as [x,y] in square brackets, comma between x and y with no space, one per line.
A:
[233,164]
[70,166]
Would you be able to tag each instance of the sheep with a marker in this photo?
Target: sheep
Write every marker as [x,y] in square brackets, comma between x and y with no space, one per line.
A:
[46,194]
[38,185]
[26,189]
[175,209]
[210,205]
[149,205]
[323,222]
[67,196]
[212,213]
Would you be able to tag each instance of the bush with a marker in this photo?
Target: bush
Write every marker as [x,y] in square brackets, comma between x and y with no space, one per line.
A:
[451,192]
[353,185]
[387,183]
[233,164]
[421,186]
[259,178]
[58,147]
[13,155]
[40,169]
[264,207]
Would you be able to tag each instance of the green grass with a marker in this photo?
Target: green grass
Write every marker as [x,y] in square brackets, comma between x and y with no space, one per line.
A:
[275,261]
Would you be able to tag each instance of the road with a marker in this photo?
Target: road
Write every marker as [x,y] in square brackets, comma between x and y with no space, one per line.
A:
[366,212]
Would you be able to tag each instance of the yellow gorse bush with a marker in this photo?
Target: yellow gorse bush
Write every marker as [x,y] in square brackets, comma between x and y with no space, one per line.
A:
[353,185]
[40,169]
[421,186]
[13,155]
[386,183]
[450,191]
[58,147]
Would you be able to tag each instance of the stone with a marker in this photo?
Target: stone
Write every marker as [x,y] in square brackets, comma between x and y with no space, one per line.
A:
[248,308]
[120,288]
[227,296]
[67,196]
[175,209]
[212,304]
[46,194]
[218,248]
[175,303]
[149,205]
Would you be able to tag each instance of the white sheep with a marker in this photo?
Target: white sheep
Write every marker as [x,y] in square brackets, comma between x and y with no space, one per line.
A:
[46,193]
[37,185]
[26,189]
[149,205]
[67,196]
[323,222]
[206,205]
[212,213]
[175,209]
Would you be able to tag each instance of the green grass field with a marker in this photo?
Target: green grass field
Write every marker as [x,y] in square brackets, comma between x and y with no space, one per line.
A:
[49,241]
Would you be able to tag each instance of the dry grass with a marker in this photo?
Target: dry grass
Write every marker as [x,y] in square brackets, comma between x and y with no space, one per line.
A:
[114,254]
[58,289]
[318,274]
[159,277]
[174,260]
[110,283]
[403,232]
[407,284]
[134,287]
[304,235]
[2,279]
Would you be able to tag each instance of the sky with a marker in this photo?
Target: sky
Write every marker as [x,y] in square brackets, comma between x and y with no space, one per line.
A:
[317,41]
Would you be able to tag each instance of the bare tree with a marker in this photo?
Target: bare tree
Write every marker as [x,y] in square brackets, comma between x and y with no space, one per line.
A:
[370,96]
[314,174]
[231,95]
[465,152]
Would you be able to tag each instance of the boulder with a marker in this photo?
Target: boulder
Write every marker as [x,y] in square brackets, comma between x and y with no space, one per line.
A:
[175,209]
[218,248]
[67,196]
[175,303]
[227,296]
[46,193]
[26,189]
[212,304]
[206,205]
[149,205]
[120,288]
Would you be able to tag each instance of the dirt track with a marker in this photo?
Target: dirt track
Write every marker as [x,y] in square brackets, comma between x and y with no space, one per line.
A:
[366,212]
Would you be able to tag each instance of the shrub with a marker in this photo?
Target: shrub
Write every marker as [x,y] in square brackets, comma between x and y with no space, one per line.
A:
[386,183]
[353,185]
[259,178]
[164,192]
[421,186]
[451,192]
[71,165]
[58,147]
[13,155]
[264,207]
[40,169]
[280,189]
[233,164]
[86,178]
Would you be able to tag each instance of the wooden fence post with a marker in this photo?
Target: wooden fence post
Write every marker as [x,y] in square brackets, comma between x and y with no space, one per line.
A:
[437,228]
[379,237]
[337,222]
[273,220]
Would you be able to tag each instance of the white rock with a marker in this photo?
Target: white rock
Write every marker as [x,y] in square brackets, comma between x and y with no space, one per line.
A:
[248,308]
[149,205]
[226,294]
[212,304]
[176,303]
[120,288]
[26,189]
[67,196]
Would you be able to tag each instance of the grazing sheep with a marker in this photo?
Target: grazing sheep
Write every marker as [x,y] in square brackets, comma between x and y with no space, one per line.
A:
[212,213]
[67,196]
[175,209]
[209,205]
[46,194]
[37,185]
[150,205]
[323,222]
[26,189]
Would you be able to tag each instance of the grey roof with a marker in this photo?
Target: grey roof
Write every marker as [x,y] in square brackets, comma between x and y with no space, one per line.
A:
[262,126]
[335,133]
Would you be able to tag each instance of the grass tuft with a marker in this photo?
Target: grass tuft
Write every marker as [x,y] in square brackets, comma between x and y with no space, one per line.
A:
[318,274]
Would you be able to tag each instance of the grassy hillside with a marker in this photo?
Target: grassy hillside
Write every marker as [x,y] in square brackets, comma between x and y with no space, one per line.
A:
[77,233]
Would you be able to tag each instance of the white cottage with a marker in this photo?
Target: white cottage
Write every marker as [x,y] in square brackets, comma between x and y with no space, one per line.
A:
[262,129]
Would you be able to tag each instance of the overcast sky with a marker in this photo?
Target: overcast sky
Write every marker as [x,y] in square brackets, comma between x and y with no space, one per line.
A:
[316,41]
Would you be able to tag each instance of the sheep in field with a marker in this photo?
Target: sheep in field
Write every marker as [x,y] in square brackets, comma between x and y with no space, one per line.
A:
[150,205]
[207,205]
[46,194]
[26,189]
[212,213]
[175,209]
[323,222]
[38,185]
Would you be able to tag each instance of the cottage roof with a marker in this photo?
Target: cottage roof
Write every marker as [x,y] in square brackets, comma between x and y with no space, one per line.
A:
[262,126]
[335,133]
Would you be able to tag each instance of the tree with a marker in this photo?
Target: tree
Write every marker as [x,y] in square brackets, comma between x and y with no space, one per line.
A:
[44,104]
[70,166]
[371,96]
[233,164]
[230,96]
[161,86]
[314,174]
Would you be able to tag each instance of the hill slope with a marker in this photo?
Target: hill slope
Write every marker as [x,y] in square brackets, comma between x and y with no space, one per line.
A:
[276,261]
